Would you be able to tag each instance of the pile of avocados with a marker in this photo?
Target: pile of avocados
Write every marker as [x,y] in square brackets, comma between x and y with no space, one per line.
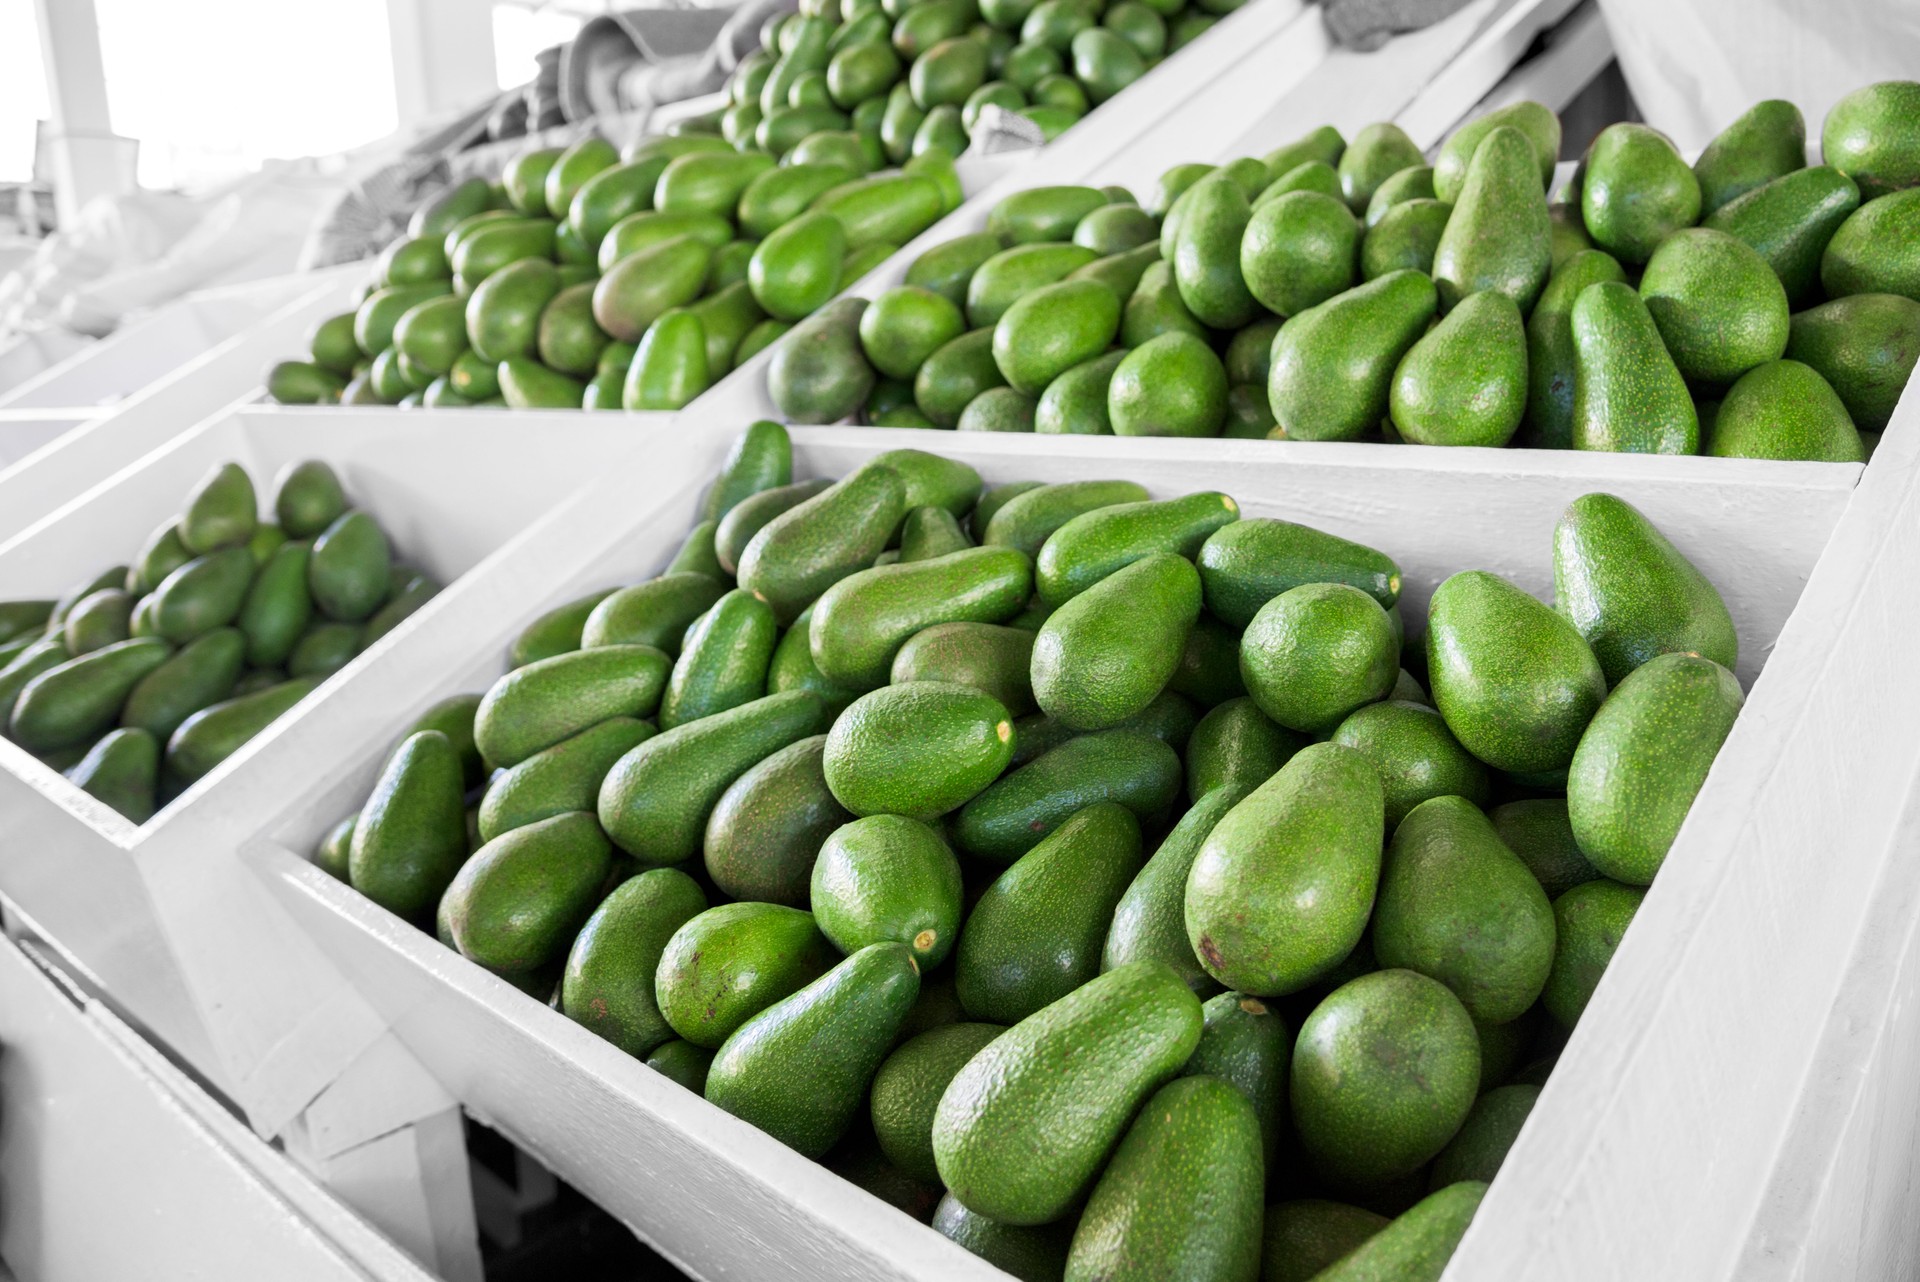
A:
[1110,880]
[1749,305]
[140,681]
[906,77]
[638,280]
[588,281]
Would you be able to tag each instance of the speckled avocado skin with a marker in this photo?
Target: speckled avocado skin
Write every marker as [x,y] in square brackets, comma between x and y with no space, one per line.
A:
[1182,1196]
[1643,760]
[1628,396]
[1456,905]
[1384,1072]
[1515,682]
[1589,922]
[1551,359]
[1631,593]
[1500,236]
[1283,886]
[1305,1236]
[1417,1246]
[1026,1126]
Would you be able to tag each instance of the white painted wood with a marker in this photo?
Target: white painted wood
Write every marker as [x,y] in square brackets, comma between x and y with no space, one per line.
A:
[722,1199]
[25,432]
[1580,50]
[1742,1091]
[443,57]
[155,344]
[88,159]
[153,915]
[115,1165]
[1290,79]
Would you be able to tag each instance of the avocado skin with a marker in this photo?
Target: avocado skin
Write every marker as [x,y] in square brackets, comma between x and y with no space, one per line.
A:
[907,1090]
[517,903]
[608,985]
[1457,906]
[1149,921]
[1589,922]
[1631,593]
[1075,1073]
[1384,1072]
[1767,142]
[1865,346]
[1418,1244]
[727,963]
[800,1069]
[1019,809]
[1643,760]
[1312,834]
[768,826]
[1036,934]
[1182,1194]
[1516,682]
[1031,1253]
[411,836]
[1302,1237]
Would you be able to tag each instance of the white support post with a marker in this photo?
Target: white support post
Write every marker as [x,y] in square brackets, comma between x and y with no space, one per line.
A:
[442,55]
[89,159]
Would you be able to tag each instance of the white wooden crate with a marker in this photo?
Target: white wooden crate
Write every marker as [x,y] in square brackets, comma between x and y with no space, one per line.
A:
[705,1189]
[154,344]
[1289,81]
[50,457]
[151,915]
[116,1165]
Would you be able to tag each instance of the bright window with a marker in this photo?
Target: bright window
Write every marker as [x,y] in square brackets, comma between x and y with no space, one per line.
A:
[211,88]
[23,89]
[520,32]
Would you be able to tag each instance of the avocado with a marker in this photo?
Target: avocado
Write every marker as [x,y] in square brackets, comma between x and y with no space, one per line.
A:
[1030,1253]
[1636,191]
[1237,747]
[1149,922]
[1300,1238]
[819,373]
[1500,236]
[1418,1244]
[1384,1072]
[411,836]
[990,658]
[1552,359]
[1873,251]
[908,1086]
[1310,834]
[609,982]
[213,734]
[562,778]
[1480,1148]
[1323,144]
[800,1069]
[1246,1044]
[1768,142]
[1417,756]
[1182,1195]
[121,771]
[1643,760]
[1315,653]
[1534,122]
[1589,921]
[1871,137]
[1074,1073]
[1172,385]
[768,826]
[724,662]
[221,511]
[98,619]
[1406,238]
[1106,654]
[1784,410]
[1205,252]
[1628,396]
[1465,381]
[1719,307]
[1247,563]
[808,548]
[1539,832]
[205,593]
[349,570]
[929,533]
[558,631]
[919,749]
[198,675]
[539,705]
[1051,330]
[1457,906]
[1036,934]
[1028,520]
[71,702]
[515,905]
[1377,153]
[1631,593]
[1415,182]
[1865,347]
[1515,681]
[1155,308]
[1300,249]
[1333,364]
[724,965]
[860,623]
[1019,809]
[888,878]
